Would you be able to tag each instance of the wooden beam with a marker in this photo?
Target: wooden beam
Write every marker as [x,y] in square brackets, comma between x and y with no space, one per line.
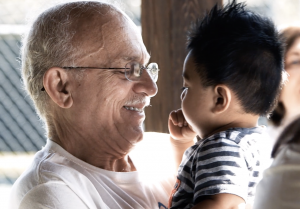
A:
[164,28]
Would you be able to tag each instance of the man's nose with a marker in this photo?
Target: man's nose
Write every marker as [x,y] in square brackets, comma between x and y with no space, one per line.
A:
[146,85]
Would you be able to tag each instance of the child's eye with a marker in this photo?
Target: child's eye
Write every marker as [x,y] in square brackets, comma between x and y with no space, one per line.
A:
[183,88]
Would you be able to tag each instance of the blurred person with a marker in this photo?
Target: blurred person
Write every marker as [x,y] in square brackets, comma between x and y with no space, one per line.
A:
[231,76]
[83,65]
[280,186]
[289,101]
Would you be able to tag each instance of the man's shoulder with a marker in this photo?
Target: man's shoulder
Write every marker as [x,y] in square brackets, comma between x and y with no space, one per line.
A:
[55,194]
[29,179]
[48,175]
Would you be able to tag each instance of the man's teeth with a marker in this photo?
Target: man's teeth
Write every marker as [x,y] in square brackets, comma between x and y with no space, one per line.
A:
[133,108]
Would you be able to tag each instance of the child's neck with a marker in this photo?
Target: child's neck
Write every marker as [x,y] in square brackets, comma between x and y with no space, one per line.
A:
[245,121]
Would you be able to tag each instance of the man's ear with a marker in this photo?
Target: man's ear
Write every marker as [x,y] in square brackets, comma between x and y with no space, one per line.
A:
[222,98]
[56,82]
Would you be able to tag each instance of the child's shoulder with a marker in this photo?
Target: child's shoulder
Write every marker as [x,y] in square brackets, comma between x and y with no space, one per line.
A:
[232,143]
[229,142]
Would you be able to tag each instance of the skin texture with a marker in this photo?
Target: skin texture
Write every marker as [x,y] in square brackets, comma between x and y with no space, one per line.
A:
[208,110]
[90,120]
[290,95]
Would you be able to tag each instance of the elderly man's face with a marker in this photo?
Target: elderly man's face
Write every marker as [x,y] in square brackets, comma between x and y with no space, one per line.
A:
[102,98]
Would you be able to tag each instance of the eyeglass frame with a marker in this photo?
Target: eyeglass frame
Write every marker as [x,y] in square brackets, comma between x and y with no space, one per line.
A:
[113,68]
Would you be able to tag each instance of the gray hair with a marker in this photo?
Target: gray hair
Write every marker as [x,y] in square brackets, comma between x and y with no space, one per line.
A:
[49,44]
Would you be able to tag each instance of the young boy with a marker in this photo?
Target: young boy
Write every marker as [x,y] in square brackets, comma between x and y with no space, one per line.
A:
[231,76]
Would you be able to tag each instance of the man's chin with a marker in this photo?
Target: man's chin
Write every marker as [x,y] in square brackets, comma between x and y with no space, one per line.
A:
[136,134]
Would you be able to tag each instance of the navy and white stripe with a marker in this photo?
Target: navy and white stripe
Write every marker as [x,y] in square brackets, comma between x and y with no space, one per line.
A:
[226,162]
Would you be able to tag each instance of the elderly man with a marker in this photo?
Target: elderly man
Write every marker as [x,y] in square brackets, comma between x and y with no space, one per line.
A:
[83,66]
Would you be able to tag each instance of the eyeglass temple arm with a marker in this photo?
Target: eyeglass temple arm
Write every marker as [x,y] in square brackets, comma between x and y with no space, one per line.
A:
[43,89]
[111,68]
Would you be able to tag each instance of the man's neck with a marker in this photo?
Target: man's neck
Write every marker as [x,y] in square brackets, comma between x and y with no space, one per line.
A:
[101,156]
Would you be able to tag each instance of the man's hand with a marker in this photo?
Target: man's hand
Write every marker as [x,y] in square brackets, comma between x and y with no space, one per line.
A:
[179,129]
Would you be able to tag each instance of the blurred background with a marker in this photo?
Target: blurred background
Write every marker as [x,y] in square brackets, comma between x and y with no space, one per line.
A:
[21,132]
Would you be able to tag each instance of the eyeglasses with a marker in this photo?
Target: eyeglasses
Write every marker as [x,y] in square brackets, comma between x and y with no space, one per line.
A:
[132,71]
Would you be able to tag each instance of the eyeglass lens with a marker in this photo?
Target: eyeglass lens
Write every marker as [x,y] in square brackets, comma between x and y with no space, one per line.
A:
[153,71]
[134,70]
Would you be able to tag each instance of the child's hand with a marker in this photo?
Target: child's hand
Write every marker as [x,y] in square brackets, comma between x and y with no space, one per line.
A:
[179,128]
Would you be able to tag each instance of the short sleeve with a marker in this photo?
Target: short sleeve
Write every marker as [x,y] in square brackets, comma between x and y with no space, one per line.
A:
[50,196]
[220,167]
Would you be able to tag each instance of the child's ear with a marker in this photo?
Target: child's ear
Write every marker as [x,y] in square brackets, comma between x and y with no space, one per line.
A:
[56,83]
[222,98]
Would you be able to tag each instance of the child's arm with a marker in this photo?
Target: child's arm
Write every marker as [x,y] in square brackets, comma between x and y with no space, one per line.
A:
[181,135]
[221,201]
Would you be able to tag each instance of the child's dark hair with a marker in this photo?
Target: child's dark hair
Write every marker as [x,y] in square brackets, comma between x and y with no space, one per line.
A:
[290,135]
[241,49]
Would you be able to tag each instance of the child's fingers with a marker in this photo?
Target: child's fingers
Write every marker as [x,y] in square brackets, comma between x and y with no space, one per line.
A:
[173,117]
[185,123]
[180,114]
[178,126]
[180,118]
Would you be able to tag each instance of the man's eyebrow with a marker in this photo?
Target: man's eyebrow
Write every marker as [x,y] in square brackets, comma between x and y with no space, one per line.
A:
[135,58]
[131,58]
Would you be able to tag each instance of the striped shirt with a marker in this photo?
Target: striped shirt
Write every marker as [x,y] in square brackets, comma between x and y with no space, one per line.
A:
[226,162]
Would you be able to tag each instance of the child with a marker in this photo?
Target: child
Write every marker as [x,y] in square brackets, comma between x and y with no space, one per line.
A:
[231,76]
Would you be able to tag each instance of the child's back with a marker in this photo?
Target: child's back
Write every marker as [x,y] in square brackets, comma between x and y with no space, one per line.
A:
[226,162]
[232,75]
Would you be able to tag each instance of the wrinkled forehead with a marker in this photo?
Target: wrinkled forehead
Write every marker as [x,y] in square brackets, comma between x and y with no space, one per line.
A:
[122,34]
[109,38]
